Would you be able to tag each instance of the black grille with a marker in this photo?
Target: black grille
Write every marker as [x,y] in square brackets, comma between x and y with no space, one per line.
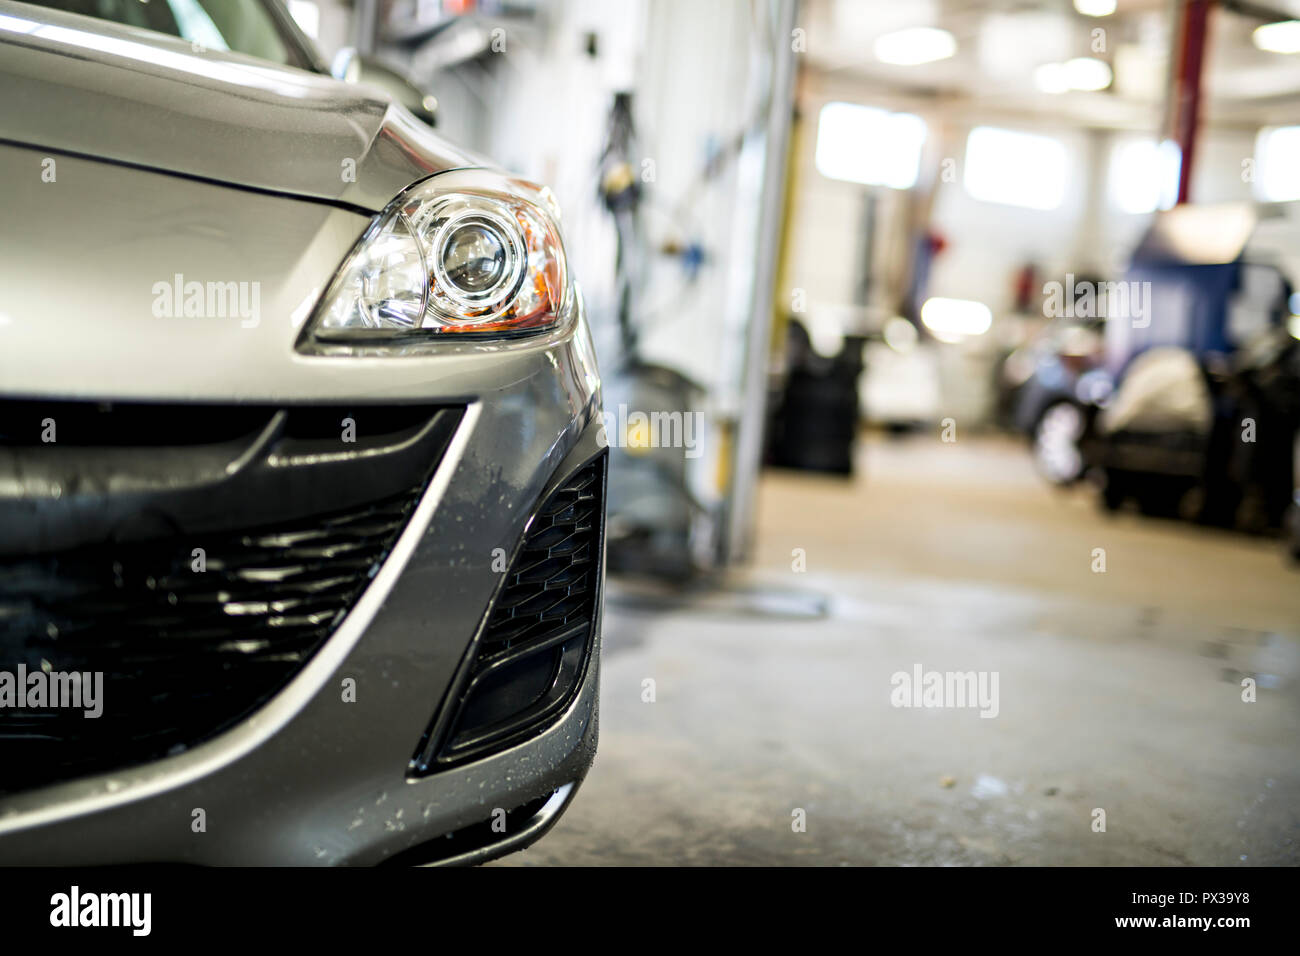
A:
[184,653]
[196,590]
[551,581]
[533,648]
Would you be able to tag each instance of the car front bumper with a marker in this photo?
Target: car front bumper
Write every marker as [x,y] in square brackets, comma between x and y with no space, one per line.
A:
[310,777]
[320,774]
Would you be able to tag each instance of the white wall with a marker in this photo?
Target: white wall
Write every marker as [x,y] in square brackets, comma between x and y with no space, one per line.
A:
[1216,177]
[541,109]
[987,241]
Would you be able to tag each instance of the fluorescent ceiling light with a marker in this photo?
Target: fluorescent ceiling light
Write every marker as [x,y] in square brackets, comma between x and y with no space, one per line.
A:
[1283,37]
[1081,73]
[865,144]
[1086,73]
[950,319]
[1095,8]
[915,46]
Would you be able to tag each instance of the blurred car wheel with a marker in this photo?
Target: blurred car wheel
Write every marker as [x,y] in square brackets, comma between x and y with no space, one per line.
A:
[1056,443]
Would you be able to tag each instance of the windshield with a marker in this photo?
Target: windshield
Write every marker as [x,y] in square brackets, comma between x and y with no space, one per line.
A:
[243,26]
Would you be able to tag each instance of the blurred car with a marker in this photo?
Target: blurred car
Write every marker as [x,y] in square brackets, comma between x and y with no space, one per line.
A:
[1207,378]
[1153,441]
[1053,386]
[301,474]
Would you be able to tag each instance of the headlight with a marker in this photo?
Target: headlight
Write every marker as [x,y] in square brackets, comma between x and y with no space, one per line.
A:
[467,252]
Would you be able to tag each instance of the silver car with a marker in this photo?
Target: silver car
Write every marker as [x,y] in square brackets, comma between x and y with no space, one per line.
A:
[301,476]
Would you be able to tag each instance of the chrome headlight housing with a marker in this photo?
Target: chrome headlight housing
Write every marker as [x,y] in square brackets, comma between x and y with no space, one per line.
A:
[463,253]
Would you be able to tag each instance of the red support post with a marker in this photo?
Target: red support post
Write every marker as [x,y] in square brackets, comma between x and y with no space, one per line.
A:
[1186,88]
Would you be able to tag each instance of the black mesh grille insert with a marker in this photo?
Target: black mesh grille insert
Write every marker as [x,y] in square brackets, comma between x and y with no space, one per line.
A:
[533,649]
[184,654]
[194,614]
[551,580]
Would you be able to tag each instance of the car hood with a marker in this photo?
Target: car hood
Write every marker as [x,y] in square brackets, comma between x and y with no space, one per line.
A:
[87,87]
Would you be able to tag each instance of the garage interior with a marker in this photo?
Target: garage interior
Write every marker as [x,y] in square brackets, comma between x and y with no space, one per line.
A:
[950,354]
[770,651]
[1118,690]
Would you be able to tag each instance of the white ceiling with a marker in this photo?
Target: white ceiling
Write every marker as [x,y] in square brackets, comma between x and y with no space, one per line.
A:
[1001,42]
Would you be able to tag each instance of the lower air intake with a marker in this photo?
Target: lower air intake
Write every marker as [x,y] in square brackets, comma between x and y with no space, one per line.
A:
[532,652]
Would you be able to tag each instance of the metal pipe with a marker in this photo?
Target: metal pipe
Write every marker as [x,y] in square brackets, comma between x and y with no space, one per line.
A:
[1185,93]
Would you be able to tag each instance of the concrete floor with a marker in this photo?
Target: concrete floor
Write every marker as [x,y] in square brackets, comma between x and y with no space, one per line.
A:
[1118,690]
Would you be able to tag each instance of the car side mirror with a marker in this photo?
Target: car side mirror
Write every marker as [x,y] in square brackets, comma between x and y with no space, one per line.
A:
[353,67]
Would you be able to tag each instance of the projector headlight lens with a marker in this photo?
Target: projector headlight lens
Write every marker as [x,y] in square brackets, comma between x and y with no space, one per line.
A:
[478,257]
[464,252]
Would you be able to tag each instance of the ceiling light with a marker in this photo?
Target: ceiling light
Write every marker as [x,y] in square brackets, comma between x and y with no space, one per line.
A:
[1095,8]
[1081,73]
[1086,73]
[915,46]
[1283,37]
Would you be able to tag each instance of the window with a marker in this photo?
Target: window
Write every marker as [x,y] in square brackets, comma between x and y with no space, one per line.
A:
[1017,169]
[1143,175]
[241,25]
[863,144]
[1277,158]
